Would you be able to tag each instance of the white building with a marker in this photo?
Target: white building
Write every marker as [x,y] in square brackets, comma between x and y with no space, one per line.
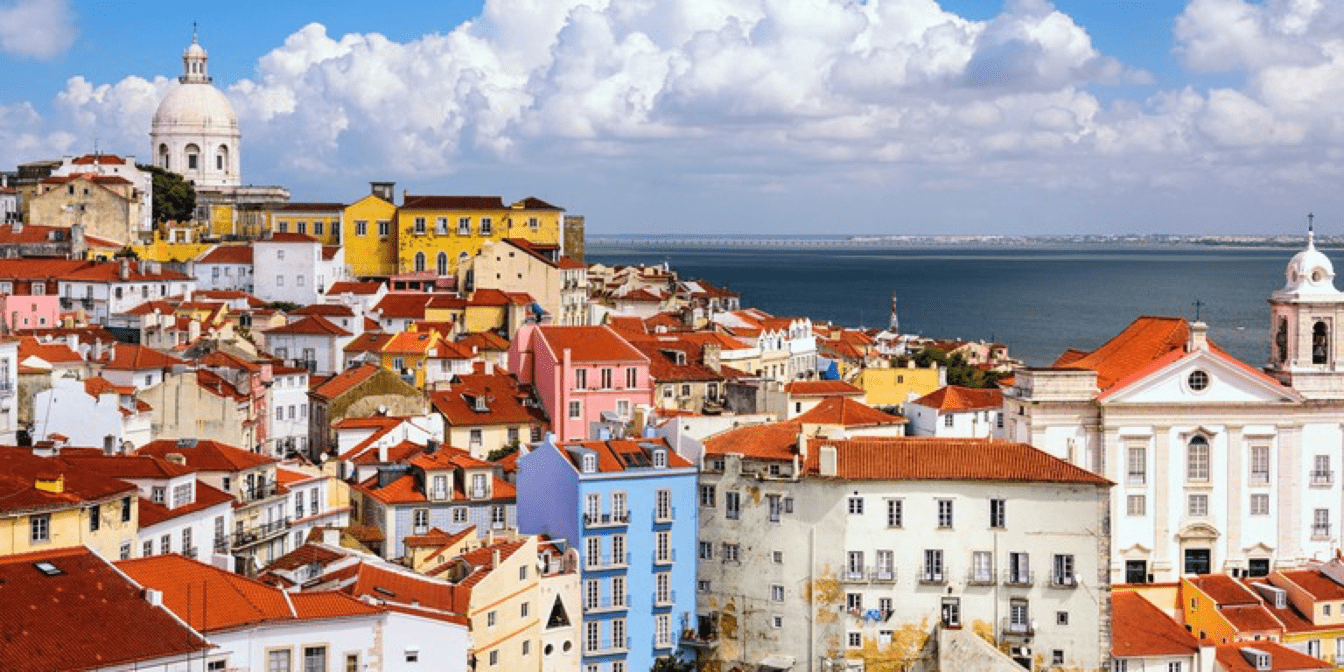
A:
[288,401]
[855,549]
[91,412]
[956,412]
[225,267]
[1221,467]
[289,267]
[9,389]
[310,492]
[312,342]
[195,132]
[116,287]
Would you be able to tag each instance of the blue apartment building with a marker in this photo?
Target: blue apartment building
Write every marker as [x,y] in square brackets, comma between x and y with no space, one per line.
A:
[629,506]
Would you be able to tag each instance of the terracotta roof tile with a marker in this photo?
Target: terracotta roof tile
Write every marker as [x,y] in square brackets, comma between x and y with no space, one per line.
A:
[503,401]
[358,288]
[403,305]
[21,470]
[127,357]
[227,254]
[314,325]
[206,455]
[483,341]
[821,388]
[589,344]
[53,353]
[1142,630]
[344,381]
[206,497]
[937,459]
[1225,590]
[623,454]
[954,398]
[849,413]
[772,441]
[1282,658]
[1145,340]
[1316,584]
[88,597]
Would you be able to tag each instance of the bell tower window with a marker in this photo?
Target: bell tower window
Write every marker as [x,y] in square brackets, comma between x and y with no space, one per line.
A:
[1281,339]
[1320,343]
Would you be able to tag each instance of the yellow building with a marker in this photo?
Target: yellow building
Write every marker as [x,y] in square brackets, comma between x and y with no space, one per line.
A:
[370,238]
[319,220]
[45,504]
[437,233]
[505,607]
[405,354]
[893,386]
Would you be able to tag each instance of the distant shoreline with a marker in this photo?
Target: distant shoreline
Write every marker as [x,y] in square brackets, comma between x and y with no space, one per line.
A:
[608,241]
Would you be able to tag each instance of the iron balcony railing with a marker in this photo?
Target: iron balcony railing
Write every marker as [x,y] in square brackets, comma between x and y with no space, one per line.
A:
[932,575]
[260,533]
[606,519]
[1019,578]
[980,577]
[621,602]
[1017,628]
[667,557]
[666,599]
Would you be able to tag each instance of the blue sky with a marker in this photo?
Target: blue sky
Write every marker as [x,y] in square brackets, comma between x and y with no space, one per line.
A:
[751,116]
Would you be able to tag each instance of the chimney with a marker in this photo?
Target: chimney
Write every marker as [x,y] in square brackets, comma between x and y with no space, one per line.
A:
[827,461]
[154,597]
[431,446]
[494,558]
[109,445]
[382,452]
[710,354]
[1199,337]
[123,268]
[176,458]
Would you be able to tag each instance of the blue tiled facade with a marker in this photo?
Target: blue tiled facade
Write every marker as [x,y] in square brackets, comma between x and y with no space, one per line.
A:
[632,525]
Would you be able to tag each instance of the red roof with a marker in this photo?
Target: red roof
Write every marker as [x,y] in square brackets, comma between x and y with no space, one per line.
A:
[619,454]
[954,398]
[137,271]
[1144,341]
[589,344]
[821,388]
[452,203]
[83,615]
[503,401]
[206,497]
[39,269]
[227,254]
[213,600]
[348,287]
[325,309]
[937,459]
[127,357]
[1140,629]
[1317,585]
[847,412]
[403,587]
[344,381]
[146,467]
[1282,659]
[206,455]
[483,341]
[772,441]
[99,159]
[405,491]
[20,471]
[1225,590]
[311,325]
[403,305]
[54,353]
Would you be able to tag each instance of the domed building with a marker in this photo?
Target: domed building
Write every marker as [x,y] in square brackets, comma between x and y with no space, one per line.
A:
[195,134]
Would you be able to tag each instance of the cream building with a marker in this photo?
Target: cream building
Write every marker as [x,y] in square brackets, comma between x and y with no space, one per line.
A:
[1220,467]
[849,552]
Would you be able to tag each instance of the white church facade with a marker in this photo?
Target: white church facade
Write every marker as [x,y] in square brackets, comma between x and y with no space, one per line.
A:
[1218,466]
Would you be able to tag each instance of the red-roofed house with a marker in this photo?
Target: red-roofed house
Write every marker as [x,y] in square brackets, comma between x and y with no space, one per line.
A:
[267,628]
[557,283]
[225,267]
[1144,637]
[1004,536]
[312,341]
[292,267]
[485,412]
[955,411]
[358,392]
[107,288]
[51,594]
[787,346]
[45,504]
[586,377]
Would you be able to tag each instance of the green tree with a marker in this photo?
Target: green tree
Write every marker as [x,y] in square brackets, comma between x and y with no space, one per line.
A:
[174,197]
[502,452]
[959,372]
[672,664]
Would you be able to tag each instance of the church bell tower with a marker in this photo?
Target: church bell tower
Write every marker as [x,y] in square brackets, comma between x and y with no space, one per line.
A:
[1306,315]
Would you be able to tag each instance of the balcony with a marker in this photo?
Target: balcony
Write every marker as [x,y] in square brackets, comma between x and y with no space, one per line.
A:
[1320,532]
[256,492]
[621,603]
[1063,580]
[1017,628]
[980,577]
[1019,578]
[604,647]
[616,519]
[667,557]
[260,533]
[667,599]
[882,575]
[853,575]
[932,575]
[704,636]
[666,514]
[1322,478]
[191,552]
[222,545]
[618,561]
[663,641]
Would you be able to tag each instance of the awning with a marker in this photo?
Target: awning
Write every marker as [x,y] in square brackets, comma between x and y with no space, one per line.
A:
[776,662]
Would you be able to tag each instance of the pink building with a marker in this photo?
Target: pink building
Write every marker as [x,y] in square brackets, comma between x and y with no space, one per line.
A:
[583,375]
[20,312]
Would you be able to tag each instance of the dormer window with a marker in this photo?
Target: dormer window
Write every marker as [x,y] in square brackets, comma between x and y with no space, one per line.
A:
[659,459]
[480,404]
[589,463]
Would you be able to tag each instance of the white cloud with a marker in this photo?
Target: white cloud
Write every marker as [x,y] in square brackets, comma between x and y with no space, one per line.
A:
[40,29]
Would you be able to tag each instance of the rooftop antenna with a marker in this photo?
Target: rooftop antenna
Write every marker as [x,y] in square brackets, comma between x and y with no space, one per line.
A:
[1311,230]
[1198,304]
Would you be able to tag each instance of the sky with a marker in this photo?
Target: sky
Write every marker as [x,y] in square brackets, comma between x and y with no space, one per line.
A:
[832,117]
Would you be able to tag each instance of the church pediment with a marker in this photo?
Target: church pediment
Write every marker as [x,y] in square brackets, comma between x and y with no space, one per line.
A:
[1137,552]
[1198,531]
[1258,549]
[1200,377]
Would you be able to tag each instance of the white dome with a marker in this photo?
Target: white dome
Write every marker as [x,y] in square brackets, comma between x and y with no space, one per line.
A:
[1310,273]
[199,106]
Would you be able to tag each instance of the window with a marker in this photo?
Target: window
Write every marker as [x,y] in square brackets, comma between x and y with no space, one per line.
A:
[951,612]
[856,640]
[490,620]
[1259,464]
[384,228]
[494,657]
[459,514]
[590,637]
[732,505]
[1320,471]
[361,227]
[706,550]
[420,520]
[982,567]
[1057,657]
[464,226]
[605,377]
[1198,505]
[1259,505]
[95,517]
[894,512]
[1135,505]
[165,544]
[1019,569]
[1062,572]
[580,379]
[702,585]
[39,528]
[1019,616]
[997,512]
[1138,464]
[575,411]
[944,513]
[527,646]
[157,494]
[854,565]
[707,497]
[419,226]
[594,556]
[885,567]
[1197,459]
[933,565]
[1174,666]
[947,420]
[277,661]
[663,547]
[856,506]
[854,601]
[147,549]
[662,503]
[486,226]
[181,495]
[730,553]
[1320,523]
[776,593]
[631,377]
[1198,381]
[777,557]
[662,592]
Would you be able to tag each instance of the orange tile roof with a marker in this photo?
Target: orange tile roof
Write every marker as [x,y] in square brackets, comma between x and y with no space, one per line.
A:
[99,159]
[954,398]
[39,269]
[405,491]
[772,441]
[1282,658]
[1251,618]
[405,588]
[348,287]
[227,254]
[503,401]
[127,357]
[53,353]
[369,342]
[1144,341]
[589,344]
[110,272]
[344,381]
[206,455]
[410,342]
[314,325]
[214,600]
[20,470]
[482,559]
[483,341]
[364,452]
[1225,590]
[305,555]
[1140,629]
[821,388]
[663,366]
[89,616]
[938,459]
[448,457]
[123,466]
[324,309]
[849,413]
[436,537]
[1316,584]
[404,305]
[619,454]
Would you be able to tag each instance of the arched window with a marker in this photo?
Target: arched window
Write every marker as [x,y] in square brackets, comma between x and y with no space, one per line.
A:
[163,157]
[1197,459]
[462,258]
[442,263]
[419,261]
[1281,340]
[193,157]
[1320,343]
[222,159]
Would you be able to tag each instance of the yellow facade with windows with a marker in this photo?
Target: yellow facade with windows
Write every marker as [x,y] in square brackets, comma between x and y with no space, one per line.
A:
[437,233]
[71,527]
[894,386]
[370,236]
[407,354]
